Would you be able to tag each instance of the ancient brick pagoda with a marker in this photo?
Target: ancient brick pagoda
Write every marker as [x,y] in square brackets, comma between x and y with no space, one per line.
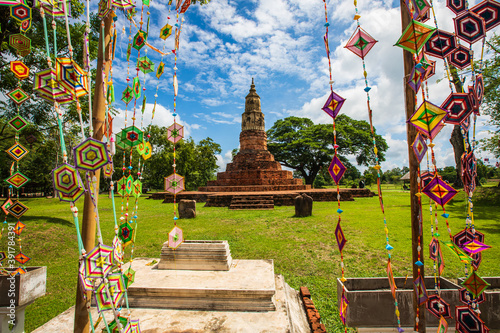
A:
[253,169]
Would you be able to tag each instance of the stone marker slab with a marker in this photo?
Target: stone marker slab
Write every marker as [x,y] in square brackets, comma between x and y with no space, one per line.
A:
[28,286]
[205,255]
[248,286]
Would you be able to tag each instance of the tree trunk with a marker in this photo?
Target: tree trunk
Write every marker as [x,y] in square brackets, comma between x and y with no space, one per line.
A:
[81,324]
[457,142]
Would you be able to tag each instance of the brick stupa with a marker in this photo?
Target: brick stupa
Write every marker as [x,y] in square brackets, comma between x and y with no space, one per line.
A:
[253,169]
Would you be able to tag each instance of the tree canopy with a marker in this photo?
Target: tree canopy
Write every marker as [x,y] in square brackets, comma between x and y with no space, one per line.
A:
[199,161]
[491,104]
[299,144]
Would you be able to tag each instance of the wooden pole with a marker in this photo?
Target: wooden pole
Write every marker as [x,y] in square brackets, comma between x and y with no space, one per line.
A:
[411,133]
[88,221]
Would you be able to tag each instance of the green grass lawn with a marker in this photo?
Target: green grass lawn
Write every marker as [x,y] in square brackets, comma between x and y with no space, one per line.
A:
[304,249]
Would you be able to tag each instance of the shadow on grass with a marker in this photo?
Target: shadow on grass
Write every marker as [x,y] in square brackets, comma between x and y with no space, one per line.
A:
[48,219]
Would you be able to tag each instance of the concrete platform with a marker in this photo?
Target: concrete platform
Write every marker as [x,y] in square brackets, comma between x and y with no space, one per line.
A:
[249,285]
[289,317]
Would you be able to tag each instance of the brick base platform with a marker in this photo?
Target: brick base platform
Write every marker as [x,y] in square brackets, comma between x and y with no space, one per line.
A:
[281,198]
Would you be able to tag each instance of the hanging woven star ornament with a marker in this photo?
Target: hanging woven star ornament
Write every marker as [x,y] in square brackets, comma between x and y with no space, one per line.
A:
[420,290]
[175,133]
[166,31]
[17,151]
[333,105]
[467,321]
[72,77]
[174,183]
[20,12]
[20,43]
[129,276]
[438,307]
[428,119]
[145,65]
[464,297]
[441,44]
[109,295]
[419,147]
[457,251]
[461,57]
[433,248]
[99,261]
[475,284]
[360,43]
[470,27]
[18,96]
[419,9]
[17,179]
[390,277]
[148,151]
[474,102]
[458,107]
[84,282]
[10,2]
[123,4]
[344,303]
[3,255]
[54,7]
[126,325]
[122,186]
[66,179]
[91,155]
[336,169]
[160,69]
[416,77]
[20,70]
[489,11]
[415,36]
[22,258]
[439,191]
[139,40]
[19,227]
[127,95]
[443,325]
[136,87]
[73,196]
[137,189]
[131,136]
[474,246]
[457,6]
[479,87]
[175,237]
[18,123]
[5,206]
[18,209]
[104,8]
[45,84]
[126,233]
[339,236]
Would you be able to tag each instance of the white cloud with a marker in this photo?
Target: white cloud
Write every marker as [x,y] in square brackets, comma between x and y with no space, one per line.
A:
[222,161]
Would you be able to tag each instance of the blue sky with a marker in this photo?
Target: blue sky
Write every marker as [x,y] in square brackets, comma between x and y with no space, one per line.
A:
[280,43]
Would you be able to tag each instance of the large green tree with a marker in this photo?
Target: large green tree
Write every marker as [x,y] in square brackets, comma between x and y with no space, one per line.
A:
[299,144]
[491,103]
[196,162]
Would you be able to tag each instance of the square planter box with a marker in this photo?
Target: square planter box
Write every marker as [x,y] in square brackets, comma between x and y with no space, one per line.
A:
[28,286]
[490,308]
[371,303]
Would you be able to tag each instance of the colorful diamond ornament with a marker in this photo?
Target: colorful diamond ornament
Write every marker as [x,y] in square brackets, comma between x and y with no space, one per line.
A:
[17,151]
[18,123]
[145,65]
[131,136]
[419,147]
[333,105]
[428,119]
[415,36]
[72,77]
[439,191]
[17,179]
[360,43]
[166,31]
[18,96]
[336,169]
[475,284]
[17,209]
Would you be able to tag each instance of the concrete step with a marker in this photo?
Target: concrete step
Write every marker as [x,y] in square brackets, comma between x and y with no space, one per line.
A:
[252,206]
[196,255]
[254,202]
[248,286]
